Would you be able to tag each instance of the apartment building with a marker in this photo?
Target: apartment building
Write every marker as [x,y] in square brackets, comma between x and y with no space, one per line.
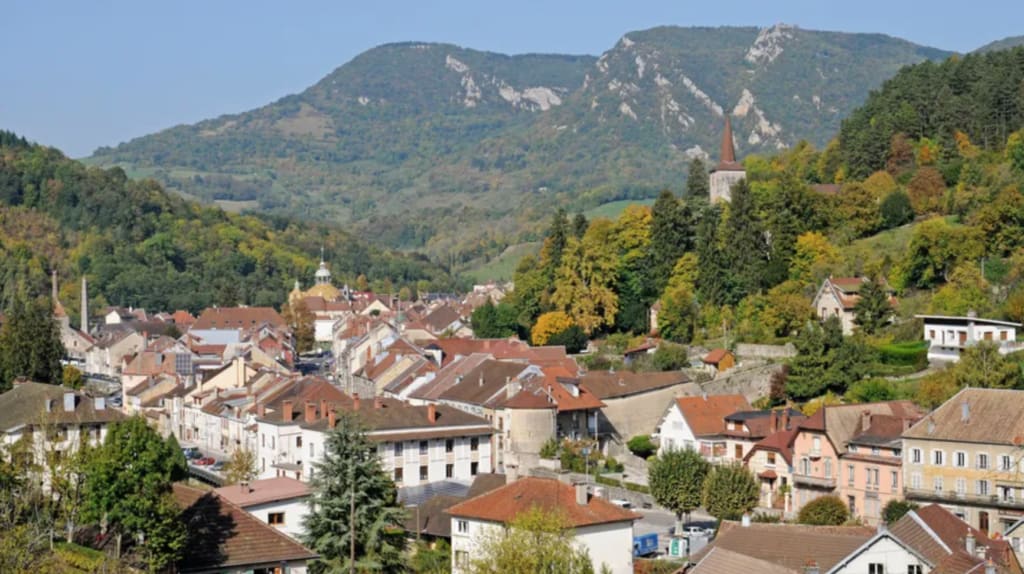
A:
[966,456]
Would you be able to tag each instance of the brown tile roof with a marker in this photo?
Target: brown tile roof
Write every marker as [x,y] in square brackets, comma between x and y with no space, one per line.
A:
[486,482]
[715,356]
[484,381]
[237,318]
[25,404]
[789,545]
[841,422]
[264,491]
[993,417]
[611,384]
[221,535]
[392,419]
[441,318]
[504,504]
[939,536]
[434,519]
[780,442]
[705,415]
[722,561]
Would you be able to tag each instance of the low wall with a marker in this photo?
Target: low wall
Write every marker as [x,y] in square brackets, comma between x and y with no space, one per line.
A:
[748,350]
[752,383]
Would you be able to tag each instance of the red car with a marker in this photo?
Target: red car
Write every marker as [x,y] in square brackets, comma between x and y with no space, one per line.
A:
[205,461]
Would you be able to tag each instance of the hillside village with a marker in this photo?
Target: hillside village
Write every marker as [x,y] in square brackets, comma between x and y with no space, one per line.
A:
[809,362]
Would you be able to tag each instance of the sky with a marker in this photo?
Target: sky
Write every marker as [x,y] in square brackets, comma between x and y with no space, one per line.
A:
[82,74]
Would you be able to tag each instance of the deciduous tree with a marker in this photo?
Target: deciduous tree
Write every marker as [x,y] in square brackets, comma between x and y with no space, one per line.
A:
[535,541]
[730,490]
[240,467]
[676,478]
[548,325]
[827,510]
[585,287]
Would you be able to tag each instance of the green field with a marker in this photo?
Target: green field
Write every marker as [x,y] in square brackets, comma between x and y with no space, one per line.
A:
[502,267]
[612,209]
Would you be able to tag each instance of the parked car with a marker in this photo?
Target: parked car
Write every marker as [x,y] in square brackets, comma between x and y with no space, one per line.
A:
[621,502]
[217,466]
[205,461]
[694,530]
[191,453]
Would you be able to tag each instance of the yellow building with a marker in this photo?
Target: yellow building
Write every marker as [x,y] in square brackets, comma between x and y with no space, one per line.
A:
[321,286]
[967,457]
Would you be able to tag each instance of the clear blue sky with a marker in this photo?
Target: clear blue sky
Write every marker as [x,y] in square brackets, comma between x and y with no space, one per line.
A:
[81,74]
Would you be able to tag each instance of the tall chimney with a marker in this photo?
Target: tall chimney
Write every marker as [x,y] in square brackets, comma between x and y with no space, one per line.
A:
[865,420]
[581,493]
[323,408]
[511,473]
[85,306]
[99,403]
[378,402]
[431,413]
[355,401]
[773,421]
[969,542]
[812,567]
[745,520]
[261,410]
[286,411]
[332,418]
[310,411]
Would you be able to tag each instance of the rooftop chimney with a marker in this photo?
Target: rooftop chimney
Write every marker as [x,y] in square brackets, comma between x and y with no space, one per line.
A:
[99,403]
[965,412]
[581,493]
[745,520]
[286,411]
[773,421]
[785,418]
[332,418]
[261,410]
[69,401]
[310,411]
[511,473]
[378,402]
[355,401]
[323,408]
[990,567]
[432,413]
[565,477]
[49,405]
[970,543]
[865,420]
[812,567]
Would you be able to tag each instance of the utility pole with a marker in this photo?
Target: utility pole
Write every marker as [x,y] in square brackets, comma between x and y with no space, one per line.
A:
[352,517]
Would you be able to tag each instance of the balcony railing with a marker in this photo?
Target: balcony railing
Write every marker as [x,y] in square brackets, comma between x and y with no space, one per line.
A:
[814,481]
[951,496]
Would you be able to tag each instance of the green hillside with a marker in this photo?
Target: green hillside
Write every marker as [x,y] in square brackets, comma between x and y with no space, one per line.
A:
[461,152]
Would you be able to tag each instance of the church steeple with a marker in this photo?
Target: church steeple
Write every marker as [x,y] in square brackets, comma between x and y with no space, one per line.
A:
[728,154]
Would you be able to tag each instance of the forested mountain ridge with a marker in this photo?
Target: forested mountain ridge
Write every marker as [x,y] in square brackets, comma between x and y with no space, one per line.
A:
[462,152]
[139,245]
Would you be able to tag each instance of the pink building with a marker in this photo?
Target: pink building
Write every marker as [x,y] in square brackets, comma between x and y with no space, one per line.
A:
[862,439]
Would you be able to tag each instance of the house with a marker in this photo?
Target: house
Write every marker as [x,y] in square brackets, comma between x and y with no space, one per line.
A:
[728,172]
[602,528]
[55,419]
[111,345]
[648,347]
[280,502]
[237,318]
[965,456]
[633,403]
[837,441]
[930,539]
[223,538]
[748,547]
[838,297]
[948,336]
[771,461]
[719,361]
[427,514]
[698,423]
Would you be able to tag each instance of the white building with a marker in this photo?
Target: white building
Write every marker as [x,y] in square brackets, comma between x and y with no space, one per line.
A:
[280,502]
[602,528]
[698,423]
[728,172]
[947,336]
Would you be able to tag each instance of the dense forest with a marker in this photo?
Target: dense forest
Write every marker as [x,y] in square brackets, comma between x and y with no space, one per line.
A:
[139,245]
[929,207]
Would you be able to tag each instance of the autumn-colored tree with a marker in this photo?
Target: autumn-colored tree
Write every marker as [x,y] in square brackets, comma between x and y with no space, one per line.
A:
[936,389]
[936,248]
[788,309]
[858,210]
[927,152]
[901,155]
[964,146]
[362,284]
[814,259]
[966,291]
[301,320]
[585,285]
[678,313]
[1013,308]
[880,184]
[548,325]
[927,189]
[1001,221]
[1015,150]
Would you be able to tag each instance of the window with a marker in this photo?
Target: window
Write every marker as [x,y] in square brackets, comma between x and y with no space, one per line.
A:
[449,445]
[960,459]
[738,454]
[937,483]
[449,470]
[828,467]
[981,487]
[462,526]
[298,441]
[867,477]
[914,569]
[915,480]
[424,445]
[849,474]
[1005,463]
[275,518]
[312,450]
[982,461]
[817,445]
[398,449]
[876,568]
[938,458]
[961,486]
[1006,493]
[770,458]
[915,455]
[423,472]
[398,474]
[473,467]
[461,558]
[474,445]
[895,479]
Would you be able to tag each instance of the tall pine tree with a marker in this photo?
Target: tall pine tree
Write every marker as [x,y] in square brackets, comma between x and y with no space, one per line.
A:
[671,236]
[872,311]
[697,183]
[30,344]
[713,271]
[744,245]
[350,477]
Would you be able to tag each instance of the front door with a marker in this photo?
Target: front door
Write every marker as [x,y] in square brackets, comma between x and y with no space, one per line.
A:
[983,521]
[739,452]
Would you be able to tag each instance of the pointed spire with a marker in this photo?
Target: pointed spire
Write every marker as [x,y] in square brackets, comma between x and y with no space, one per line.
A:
[321,255]
[728,154]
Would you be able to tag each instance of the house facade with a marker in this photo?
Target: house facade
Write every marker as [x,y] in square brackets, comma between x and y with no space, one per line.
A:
[282,503]
[698,423]
[948,336]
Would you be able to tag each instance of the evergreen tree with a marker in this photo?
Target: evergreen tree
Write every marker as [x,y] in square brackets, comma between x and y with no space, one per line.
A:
[350,477]
[744,245]
[676,478]
[713,271]
[697,183]
[30,344]
[554,245]
[872,311]
[729,491]
[896,209]
[484,320]
[579,225]
[671,236]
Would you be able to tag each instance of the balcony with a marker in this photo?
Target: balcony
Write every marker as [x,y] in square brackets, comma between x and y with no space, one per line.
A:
[952,497]
[814,481]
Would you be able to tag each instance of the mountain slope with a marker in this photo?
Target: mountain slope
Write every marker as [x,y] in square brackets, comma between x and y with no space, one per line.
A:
[1004,44]
[460,151]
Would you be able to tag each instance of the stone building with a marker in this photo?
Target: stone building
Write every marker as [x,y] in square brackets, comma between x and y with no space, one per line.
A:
[728,172]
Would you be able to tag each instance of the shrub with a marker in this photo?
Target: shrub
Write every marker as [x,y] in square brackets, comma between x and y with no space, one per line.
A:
[670,357]
[549,449]
[642,446]
[824,511]
[895,509]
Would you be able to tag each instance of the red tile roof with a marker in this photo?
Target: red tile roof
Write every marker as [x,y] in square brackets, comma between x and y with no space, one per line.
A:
[780,442]
[705,415]
[237,318]
[264,491]
[716,356]
[504,504]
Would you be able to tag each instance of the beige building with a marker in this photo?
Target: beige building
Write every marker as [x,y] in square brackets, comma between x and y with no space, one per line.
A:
[728,172]
[966,456]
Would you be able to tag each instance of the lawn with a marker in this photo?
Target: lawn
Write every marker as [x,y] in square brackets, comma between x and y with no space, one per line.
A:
[612,209]
[502,267]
